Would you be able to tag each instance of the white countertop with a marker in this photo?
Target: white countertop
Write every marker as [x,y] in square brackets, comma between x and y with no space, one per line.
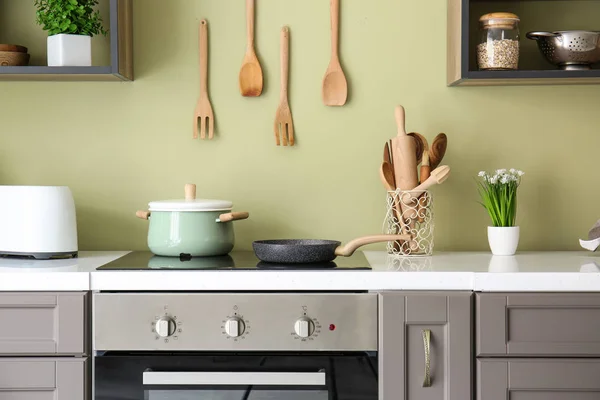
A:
[535,271]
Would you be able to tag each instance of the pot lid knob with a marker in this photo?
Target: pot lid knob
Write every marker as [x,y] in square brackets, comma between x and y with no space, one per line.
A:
[190,191]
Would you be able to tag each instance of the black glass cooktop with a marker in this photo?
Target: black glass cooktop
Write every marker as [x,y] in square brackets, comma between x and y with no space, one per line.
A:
[237,260]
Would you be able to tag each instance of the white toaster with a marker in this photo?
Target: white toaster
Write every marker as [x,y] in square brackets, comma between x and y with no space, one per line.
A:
[37,221]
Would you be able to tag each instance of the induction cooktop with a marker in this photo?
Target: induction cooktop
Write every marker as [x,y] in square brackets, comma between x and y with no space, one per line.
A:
[237,260]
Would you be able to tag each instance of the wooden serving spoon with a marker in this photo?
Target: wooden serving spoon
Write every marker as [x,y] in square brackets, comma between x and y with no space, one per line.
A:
[420,145]
[438,150]
[251,75]
[335,86]
[438,176]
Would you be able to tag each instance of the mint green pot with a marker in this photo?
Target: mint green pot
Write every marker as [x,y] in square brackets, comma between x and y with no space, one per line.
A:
[195,227]
[197,233]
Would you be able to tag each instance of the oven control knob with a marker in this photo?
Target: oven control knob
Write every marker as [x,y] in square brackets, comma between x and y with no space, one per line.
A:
[304,327]
[235,327]
[165,327]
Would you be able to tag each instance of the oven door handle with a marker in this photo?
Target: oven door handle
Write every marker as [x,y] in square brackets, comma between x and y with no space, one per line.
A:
[172,378]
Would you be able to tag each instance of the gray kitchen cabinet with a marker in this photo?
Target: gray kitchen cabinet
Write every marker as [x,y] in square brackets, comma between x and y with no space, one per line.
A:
[43,378]
[43,323]
[538,379]
[538,324]
[405,321]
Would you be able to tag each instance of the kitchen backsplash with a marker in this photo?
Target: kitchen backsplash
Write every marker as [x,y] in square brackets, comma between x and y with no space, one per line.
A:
[120,145]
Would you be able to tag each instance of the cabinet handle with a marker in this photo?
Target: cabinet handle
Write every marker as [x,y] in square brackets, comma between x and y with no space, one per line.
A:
[427,347]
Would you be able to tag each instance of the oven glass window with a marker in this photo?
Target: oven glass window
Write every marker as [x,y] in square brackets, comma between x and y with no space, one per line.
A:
[235,377]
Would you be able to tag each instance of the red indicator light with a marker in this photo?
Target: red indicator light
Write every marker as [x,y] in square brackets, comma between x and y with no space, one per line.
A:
[332,327]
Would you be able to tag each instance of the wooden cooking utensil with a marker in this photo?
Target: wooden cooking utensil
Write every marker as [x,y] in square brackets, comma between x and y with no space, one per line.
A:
[425,167]
[335,86]
[251,75]
[424,175]
[438,176]
[284,125]
[203,115]
[438,150]
[387,157]
[387,176]
[404,155]
[386,173]
[421,145]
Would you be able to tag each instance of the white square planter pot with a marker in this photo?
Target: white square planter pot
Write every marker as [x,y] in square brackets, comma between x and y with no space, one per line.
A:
[69,51]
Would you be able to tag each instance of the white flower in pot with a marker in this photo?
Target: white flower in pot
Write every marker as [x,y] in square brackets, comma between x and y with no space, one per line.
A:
[498,193]
[70,25]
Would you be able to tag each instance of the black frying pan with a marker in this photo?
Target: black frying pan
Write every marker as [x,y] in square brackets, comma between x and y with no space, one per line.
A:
[304,251]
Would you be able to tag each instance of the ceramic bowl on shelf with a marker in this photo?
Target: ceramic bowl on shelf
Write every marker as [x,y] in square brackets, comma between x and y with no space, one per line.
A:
[569,50]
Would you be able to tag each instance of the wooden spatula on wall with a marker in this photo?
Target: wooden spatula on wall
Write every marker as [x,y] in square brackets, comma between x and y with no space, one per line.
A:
[251,75]
[335,86]
[284,126]
[203,115]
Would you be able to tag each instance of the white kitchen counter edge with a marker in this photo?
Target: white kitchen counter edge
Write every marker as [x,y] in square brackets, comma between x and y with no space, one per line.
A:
[80,275]
[64,275]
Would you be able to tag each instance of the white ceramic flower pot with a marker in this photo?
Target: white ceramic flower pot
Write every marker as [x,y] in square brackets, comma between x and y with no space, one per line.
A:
[503,240]
[69,51]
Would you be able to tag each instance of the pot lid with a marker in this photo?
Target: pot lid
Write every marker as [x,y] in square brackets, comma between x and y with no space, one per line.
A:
[190,203]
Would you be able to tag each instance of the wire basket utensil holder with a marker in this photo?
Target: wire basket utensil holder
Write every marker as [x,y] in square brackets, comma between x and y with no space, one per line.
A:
[410,213]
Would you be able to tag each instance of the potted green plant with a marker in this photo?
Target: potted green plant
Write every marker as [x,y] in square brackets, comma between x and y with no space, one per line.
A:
[70,25]
[498,193]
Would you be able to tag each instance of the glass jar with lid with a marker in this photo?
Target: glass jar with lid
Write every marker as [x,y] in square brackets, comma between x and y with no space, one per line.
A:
[498,48]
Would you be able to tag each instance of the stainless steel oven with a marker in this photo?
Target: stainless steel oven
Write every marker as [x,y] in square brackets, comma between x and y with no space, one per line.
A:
[250,346]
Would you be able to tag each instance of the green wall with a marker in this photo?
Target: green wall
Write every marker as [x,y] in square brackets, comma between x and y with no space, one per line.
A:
[120,145]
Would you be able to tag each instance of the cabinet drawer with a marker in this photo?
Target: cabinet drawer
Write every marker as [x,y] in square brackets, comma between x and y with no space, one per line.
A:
[43,323]
[538,324]
[538,379]
[405,355]
[43,378]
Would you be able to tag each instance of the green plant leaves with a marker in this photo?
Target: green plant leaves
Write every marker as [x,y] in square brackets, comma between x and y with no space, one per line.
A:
[77,17]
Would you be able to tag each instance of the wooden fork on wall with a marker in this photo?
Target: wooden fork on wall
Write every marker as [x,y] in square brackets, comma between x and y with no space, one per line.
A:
[204,120]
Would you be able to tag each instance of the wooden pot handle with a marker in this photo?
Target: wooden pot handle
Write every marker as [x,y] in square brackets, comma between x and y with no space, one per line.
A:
[190,191]
[349,248]
[233,216]
[143,214]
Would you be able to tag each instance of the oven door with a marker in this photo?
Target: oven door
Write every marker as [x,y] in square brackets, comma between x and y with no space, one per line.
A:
[235,377]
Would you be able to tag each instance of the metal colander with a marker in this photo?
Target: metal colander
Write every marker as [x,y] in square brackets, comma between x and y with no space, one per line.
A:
[570,50]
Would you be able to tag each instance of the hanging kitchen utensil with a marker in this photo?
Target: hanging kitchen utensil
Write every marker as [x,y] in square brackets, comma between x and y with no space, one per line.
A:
[335,86]
[284,126]
[204,120]
[194,227]
[404,153]
[251,75]
[438,150]
[299,251]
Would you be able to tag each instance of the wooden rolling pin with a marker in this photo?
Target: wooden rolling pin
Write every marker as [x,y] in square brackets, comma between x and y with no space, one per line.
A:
[405,155]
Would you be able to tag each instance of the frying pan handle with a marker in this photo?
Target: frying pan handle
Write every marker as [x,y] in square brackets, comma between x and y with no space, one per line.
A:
[143,214]
[233,216]
[349,248]
[538,35]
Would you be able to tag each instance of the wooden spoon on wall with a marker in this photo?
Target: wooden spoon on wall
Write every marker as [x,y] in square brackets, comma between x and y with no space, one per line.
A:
[251,75]
[335,86]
